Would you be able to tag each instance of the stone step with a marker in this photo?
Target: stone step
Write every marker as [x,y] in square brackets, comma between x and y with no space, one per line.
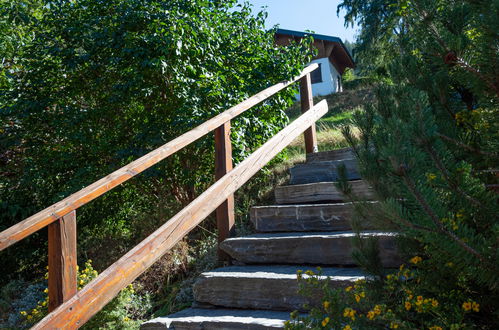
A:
[305,217]
[225,319]
[320,248]
[323,171]
[338,154]
[319,192]
[264,287]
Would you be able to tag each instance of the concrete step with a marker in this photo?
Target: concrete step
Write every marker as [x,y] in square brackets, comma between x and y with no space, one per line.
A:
[345,153]
[304,217]
[321,248]
[264,287]
[225,319]
[319,192]
[326,171]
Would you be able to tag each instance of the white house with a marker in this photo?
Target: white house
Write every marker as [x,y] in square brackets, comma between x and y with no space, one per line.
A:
[333,58]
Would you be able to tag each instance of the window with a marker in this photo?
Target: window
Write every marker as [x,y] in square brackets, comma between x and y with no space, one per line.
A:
[339,88]
[316,75]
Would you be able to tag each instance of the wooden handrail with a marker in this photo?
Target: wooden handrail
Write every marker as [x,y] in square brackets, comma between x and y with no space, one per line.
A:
[85,195]
[69,309]
[96,294]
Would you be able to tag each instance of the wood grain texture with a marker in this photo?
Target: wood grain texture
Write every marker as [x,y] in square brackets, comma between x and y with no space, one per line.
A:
[223,164]
[95,295]
[327,171]
[82,197]
[307,102]
[62,260]
[319,192]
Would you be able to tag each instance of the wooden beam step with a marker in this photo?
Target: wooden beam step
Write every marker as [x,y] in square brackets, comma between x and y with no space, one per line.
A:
[319,192]
[201,318]
[326,171]
[319,248]
[305,217]
[265,287]
[338,154]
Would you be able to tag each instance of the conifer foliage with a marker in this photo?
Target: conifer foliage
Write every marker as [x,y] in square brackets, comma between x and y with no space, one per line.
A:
[429,146]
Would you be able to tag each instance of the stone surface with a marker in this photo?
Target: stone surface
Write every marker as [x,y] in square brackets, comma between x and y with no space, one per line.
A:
[264,287]
[319,192]
[322,248]
[327,171]
[225,319]
[306,217]
[345,153]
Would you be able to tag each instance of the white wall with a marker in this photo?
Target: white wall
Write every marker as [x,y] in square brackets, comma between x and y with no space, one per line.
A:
[329,82]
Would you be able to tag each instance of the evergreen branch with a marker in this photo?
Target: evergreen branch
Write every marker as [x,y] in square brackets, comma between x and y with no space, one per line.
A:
[467,147]
[427,208]
[447,177]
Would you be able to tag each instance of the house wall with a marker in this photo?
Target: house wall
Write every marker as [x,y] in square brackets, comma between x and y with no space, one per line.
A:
[329,82]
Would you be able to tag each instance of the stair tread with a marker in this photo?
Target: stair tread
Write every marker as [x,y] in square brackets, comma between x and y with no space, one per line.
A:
[320,248]
[265,287]
[319,192]
[323,171]
[220,318]
[277,272]
[337,154]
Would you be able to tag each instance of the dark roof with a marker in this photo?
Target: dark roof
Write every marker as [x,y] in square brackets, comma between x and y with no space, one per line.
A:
[316,37]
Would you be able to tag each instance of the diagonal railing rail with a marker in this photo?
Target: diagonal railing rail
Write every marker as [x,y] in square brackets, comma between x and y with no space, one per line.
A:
[69,308]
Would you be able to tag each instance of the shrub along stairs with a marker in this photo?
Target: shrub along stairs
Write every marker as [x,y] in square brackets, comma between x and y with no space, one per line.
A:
[308,227]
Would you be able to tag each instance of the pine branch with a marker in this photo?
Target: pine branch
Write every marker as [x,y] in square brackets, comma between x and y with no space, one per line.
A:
[427,208]
[467,147]
[447,177]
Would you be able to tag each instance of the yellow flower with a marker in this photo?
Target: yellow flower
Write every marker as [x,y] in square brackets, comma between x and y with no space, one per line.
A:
[126,319]
[435,327]
[467,306]
[348,289]
[357,297]
[81,282]
[434,302]
[377,309]
[326,304]
[44,303]
[23,313]
[29,317]
[309,272]
[430,176]
[349,312]
[46,290]
[325,321]
[408,305]
[347,327]
[415,260]
[394,325]
[475,306]
[371,315]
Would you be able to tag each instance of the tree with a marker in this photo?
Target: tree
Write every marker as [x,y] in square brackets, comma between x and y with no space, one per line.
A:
[429,145]
[104,82]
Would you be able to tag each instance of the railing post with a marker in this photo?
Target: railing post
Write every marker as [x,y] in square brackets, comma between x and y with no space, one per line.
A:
[307,102]
[223,164]
[62,260]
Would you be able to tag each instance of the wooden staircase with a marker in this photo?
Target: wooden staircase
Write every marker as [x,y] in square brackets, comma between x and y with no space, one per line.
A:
[309,227]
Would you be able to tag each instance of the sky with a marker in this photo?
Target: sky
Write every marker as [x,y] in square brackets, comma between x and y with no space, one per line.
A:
[300,15]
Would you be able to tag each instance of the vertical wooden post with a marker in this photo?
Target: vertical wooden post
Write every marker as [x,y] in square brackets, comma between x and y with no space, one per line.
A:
[223,164]
[307,102]
[62,260]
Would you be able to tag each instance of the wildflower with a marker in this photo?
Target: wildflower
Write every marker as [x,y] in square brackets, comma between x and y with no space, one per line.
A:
[81,282]
[46,290]
[349,312]
[326,304]
[357,297]
[415,260]
[44,303]
[325,321]
[309,272]
[460,214]
[430,176]
[389,277]
[434,302]
[23,313]
[126,319]
[377,309]
[29,317]
[475,306]
[84,275]
[394,325]
[347,327]
[371,315]
[408,305]
[467,306]
[348,289]
[435,327]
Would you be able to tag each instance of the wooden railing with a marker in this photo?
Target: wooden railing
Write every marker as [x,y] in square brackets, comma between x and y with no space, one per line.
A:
[69,308]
